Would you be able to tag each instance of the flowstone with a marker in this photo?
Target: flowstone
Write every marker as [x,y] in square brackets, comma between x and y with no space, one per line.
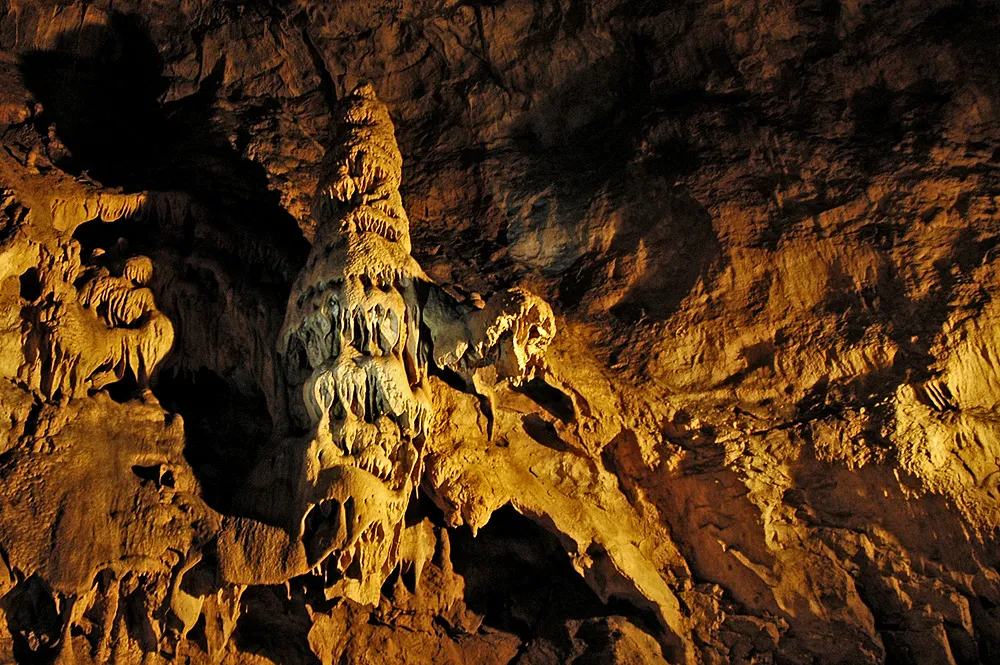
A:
[133,567]
[768,431]
[363,325]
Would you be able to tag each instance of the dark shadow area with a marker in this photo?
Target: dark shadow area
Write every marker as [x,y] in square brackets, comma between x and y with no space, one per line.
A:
[124,389]
[273,627]
[226,419]
[31,285]
[519,577]
[224,429]
[33,622]
[673,233]
[544,433]
[883,117]
[102,89]
[114,241]
[550,398]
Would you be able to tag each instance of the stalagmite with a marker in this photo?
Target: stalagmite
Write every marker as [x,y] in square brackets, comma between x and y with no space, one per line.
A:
[254,409]
[353,324]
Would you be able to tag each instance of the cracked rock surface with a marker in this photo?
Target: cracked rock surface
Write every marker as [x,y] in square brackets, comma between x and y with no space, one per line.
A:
[586,332]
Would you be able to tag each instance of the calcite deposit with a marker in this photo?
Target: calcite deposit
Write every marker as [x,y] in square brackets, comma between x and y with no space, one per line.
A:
[506,332]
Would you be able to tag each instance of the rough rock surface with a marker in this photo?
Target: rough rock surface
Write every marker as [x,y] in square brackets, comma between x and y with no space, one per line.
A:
[766,430]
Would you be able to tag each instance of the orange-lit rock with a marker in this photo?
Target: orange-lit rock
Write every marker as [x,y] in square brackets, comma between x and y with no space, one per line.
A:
[694,361]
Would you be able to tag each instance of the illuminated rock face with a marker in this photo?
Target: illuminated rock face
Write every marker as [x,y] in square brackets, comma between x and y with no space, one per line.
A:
[353,354]
[98,508]
[255,410]
[86,324]
[356,347]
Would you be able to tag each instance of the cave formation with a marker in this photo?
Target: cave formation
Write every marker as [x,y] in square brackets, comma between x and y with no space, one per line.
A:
[506,332]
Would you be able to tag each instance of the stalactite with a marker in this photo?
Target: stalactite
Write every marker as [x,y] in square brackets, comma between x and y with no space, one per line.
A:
[356,312]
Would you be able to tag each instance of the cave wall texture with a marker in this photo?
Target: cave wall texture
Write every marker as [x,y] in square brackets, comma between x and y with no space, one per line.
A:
[767,427]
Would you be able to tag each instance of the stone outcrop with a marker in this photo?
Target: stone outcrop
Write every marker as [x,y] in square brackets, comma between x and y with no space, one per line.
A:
[665,332]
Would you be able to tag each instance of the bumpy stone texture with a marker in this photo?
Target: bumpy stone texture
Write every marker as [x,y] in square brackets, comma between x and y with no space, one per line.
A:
[363,327]
[765,431]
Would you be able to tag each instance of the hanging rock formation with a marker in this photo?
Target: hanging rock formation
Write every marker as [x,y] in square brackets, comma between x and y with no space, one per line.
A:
[356,349]
[255,410]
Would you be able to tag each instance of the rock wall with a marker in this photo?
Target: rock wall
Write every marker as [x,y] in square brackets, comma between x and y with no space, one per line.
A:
[765,431]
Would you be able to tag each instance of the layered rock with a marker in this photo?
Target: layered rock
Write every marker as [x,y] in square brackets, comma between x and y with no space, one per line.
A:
[764,431]
[357,345]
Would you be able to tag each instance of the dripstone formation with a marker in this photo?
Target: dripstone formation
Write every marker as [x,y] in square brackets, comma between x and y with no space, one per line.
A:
[362,326]
[607,332]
